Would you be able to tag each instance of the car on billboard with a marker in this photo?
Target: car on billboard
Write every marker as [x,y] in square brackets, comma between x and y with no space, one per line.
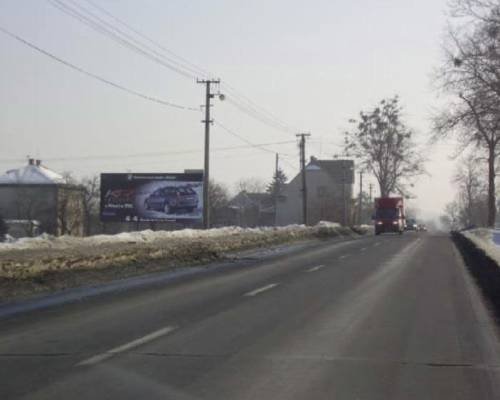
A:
[119,196]
[169,199]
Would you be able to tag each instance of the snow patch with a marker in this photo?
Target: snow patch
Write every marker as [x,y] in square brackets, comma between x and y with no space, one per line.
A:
[487,240]
[46,241]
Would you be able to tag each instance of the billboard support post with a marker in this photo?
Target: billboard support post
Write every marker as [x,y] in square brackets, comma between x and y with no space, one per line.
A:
[206,172]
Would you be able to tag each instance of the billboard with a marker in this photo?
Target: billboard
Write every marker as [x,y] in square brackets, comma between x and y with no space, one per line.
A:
[151,197]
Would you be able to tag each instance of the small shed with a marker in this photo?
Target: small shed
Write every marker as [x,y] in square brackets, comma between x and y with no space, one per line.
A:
[35,193]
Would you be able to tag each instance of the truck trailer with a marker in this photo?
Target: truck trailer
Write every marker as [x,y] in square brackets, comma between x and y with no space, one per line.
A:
[389,215]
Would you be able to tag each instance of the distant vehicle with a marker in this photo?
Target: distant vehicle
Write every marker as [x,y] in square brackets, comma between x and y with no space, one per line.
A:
[170,198]
[411,224]
[422,228]
[119,196]
[389,215]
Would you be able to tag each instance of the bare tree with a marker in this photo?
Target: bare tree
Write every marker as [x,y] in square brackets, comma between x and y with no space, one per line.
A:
[472,193]
[70,210]
[450,218]
[91,198]
[470,73]
[384,145]
[219,198]
[251,185]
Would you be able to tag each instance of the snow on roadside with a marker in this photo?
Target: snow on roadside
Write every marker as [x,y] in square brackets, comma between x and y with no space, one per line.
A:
[46,241]
[487,240]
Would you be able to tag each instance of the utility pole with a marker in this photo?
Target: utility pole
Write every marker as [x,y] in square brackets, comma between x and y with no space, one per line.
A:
[360,205]
[277,189]
[206,170]
[344,207]
[371,189]
[302,146]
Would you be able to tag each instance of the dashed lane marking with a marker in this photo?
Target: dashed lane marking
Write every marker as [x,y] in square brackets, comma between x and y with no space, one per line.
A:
[128,346]
[260,290]
[316,268]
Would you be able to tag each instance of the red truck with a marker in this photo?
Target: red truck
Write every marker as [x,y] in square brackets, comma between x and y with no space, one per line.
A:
[389,215]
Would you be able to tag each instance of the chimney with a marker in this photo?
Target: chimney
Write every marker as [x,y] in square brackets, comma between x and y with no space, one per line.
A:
[31,161]
[38,162]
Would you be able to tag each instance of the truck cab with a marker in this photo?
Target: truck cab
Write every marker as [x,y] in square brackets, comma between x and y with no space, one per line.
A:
[389,215]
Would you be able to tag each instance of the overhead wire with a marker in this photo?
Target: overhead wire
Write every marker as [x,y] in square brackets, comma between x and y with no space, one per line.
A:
[151,154]
[95,76]
[258,146]
[193,67]
[183,66]
[233,133]
[118,36]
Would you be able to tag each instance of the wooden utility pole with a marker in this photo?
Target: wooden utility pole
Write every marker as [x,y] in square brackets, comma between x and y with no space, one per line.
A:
[206,170]
[277,189]
[302,145]
[360,205]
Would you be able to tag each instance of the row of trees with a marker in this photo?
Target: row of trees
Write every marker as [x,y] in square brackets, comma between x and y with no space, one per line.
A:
[470,78]
[470,206]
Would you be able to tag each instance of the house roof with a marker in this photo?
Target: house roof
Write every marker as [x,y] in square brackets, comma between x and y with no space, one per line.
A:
[339,170]
[32,174]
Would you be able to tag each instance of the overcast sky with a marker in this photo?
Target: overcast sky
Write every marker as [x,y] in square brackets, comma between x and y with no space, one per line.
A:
[311,64]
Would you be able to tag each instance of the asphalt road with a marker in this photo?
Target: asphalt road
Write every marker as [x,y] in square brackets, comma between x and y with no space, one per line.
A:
[387,317]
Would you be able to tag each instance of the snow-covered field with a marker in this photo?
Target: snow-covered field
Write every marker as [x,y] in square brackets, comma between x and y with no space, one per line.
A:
[487,240]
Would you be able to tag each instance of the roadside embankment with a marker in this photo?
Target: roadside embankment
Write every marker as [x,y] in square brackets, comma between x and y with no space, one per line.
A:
[48,263]
[482,257]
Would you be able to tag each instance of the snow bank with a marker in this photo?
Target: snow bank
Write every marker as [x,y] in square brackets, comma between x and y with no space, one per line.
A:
[45,241]
[487,240]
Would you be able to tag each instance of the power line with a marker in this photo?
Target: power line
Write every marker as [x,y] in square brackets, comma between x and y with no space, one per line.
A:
[141,155]
[248,103]
[192,66]
[94,76]
[258,146]
[259,117]
[118,36]
[186,68]
[231,132]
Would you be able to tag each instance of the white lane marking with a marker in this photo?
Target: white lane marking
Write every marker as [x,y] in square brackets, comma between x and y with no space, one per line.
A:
[363,249]
[316,268]
[344,256]
[260,290]
[128,346]
[376,244]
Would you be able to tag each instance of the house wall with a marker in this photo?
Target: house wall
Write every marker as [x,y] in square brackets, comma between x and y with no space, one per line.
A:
[30,202]
[58,208]
[324,199]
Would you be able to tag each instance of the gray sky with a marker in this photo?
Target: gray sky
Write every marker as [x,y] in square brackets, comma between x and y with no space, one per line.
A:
[312,64]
